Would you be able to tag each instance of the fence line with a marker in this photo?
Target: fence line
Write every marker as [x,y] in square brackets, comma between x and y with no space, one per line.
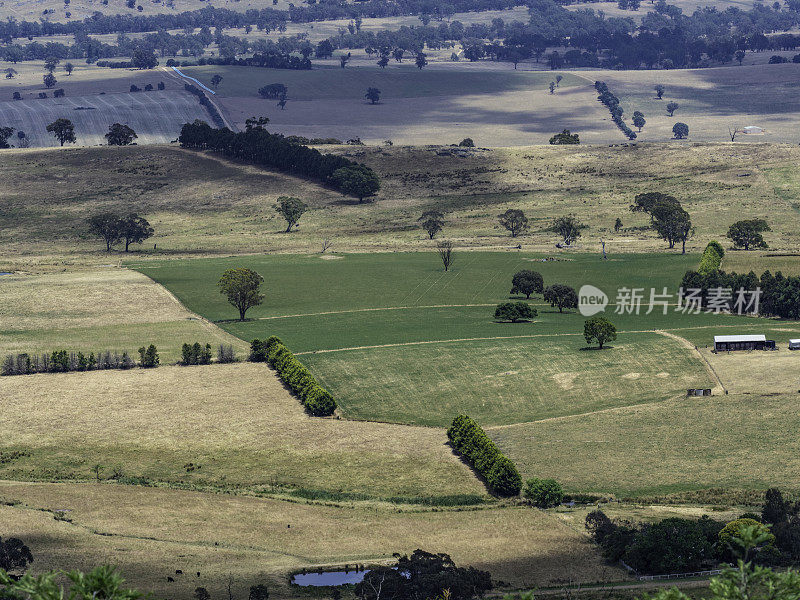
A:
[680,575]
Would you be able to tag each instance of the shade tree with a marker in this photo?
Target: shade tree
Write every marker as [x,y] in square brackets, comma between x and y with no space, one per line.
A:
[432,221]
[242,288]
[63,130]
[561,296]
[747,233]
[291,209]
[527,282]
[514,220]
[600,330]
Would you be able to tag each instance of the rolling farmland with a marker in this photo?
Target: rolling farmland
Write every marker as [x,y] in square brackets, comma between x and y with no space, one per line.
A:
[155,116]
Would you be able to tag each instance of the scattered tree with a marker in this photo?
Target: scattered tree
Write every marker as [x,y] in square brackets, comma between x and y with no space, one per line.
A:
[617,225]
[747,233]
[421,60]
[733,132]
[659,91]
[432,222]
[134,229]
[50,63]
[216,80]
[49,80]
[445,249]
[672,107]
[5,133]
[466,143]
[680,131]
[558,80]
[569,228]
[63,130]
[527,282]
[562,296]
[144,59]
[564,138]
[344,59]
[599,329]
[291,209]
[373,95]
[357,180]
[638,120]
[543,493]
[552,87]
[107,226]
[514,312]
[120,135]
[383,61]
[514,220]
[15,556]
[242,288]
[258,592]
[69,68]
[740,54]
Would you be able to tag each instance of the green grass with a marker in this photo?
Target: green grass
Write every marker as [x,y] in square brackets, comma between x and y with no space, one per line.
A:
[351,82]
[505,381]
[733,442]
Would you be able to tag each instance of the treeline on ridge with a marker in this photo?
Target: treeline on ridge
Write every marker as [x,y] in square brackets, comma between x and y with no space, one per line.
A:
[256,145]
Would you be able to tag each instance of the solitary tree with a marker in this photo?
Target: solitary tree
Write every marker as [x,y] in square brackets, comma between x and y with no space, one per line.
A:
[291,209]
[373,95]
[120,135]
[134,229]
[561,296]
[50,63]
[659,91]
[638,120]
[49,80]
[69,68]
[445,249]
[680,131]
[617,225]
[514,220]
[565,138]
[514,312]
[421,60]
[216,80]
[107,226]
[527,282]
[569,228]
[432,222]
[558,80]
[242,288]
[599,329]
[747,233]
[357,180]
[63,130]
[672,107]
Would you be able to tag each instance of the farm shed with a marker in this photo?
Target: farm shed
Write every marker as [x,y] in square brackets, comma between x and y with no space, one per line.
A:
[750,129]
[724,343]
[794,344]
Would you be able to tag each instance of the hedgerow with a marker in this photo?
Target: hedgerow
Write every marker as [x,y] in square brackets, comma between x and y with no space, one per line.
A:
[316,400]
[612,103]
[206,103]
[471,442]
[63,361]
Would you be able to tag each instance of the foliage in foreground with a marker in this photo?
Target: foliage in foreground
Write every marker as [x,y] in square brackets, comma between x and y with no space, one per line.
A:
[100,583]
[471,442]
[424,575]
[317,400]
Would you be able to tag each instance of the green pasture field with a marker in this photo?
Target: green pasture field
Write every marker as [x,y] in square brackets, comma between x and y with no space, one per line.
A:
[407,82]
[396,338]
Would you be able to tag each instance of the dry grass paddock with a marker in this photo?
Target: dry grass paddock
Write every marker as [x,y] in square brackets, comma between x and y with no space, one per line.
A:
[95,310]
[152,532]
[201,205]
[237,422]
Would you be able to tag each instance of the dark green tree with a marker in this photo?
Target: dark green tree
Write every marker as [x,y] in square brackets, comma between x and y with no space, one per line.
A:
[680,131]
[15,556]
[599,329]
[514,312]
[747,233]
[638,120]
[432,222]
[565,138]
[562,296]
[134,229]
[373,95]
[144,59]
[108,226]
[527,282]
[543,493]
[242,287]
[357,180]
[63,130]
[569,228]
[120,135]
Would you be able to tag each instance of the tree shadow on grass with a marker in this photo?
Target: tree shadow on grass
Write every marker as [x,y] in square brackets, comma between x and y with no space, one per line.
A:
[595,348]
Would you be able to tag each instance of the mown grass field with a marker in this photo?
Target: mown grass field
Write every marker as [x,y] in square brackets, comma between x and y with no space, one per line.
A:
[236,424]
[728,442]
[97,310]
[153,532]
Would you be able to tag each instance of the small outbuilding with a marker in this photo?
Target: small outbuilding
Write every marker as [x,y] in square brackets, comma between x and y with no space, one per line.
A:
[794,344]
[727,343]
[753,130]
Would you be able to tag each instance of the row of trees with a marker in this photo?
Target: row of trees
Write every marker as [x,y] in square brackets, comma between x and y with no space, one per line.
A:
[257,145]
[316,400]
[64,361]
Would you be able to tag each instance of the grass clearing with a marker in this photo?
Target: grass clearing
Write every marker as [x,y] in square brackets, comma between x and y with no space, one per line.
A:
[732,442]
[236,421]
[522,546]
[95,310]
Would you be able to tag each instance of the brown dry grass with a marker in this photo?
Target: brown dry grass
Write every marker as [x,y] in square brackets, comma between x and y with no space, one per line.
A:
[236,421]
[522,546]
[93,310]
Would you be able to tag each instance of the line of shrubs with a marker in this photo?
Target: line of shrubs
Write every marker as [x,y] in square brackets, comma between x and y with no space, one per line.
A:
[472,443]
[612,103]
[205,103]
[63,361]
[197,354]
[711,260]
[316,400]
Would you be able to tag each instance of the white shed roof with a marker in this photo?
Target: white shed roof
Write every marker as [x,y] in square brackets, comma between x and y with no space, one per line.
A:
[739,338]
[794,341]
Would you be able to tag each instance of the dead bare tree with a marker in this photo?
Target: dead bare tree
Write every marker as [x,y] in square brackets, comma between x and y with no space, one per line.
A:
[445,249]
[325,245]
[732,131]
